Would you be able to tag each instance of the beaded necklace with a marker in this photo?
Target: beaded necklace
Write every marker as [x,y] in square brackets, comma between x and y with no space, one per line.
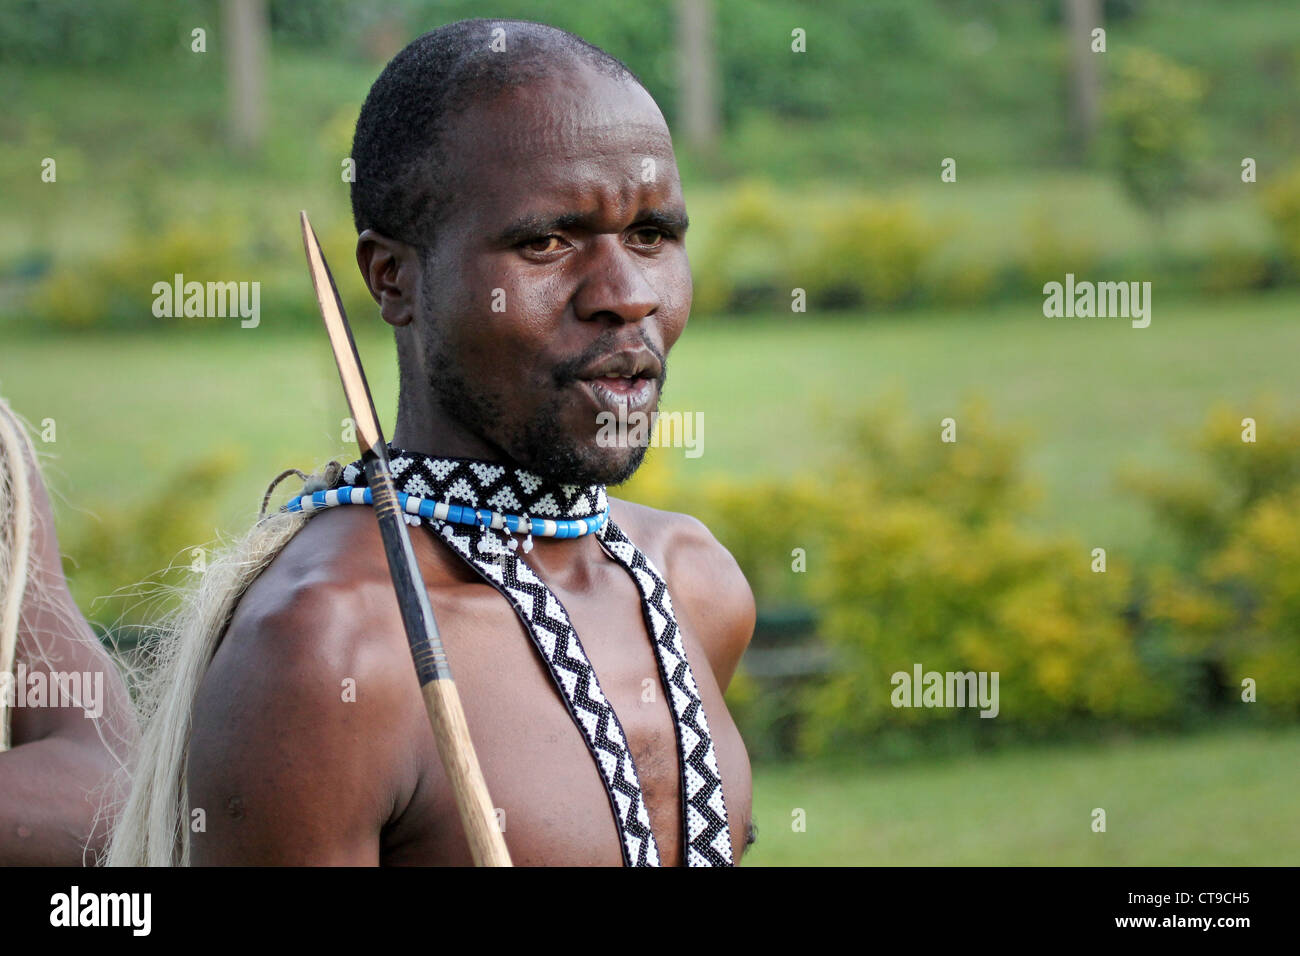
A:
[468,503]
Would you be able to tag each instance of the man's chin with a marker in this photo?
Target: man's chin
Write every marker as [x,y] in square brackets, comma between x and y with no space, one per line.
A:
[624,468]
[589,465]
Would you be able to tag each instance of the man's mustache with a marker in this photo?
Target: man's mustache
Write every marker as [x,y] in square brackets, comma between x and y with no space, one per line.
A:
[567,372]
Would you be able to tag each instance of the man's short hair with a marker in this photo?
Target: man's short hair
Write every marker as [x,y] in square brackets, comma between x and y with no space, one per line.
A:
[401,183]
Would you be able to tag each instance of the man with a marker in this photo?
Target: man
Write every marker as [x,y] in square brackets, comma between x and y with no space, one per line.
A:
[521,227]
[64,713]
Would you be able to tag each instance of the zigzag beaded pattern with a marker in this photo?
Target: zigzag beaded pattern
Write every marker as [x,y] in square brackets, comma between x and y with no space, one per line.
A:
[480,484]
[557,641]
[708,837]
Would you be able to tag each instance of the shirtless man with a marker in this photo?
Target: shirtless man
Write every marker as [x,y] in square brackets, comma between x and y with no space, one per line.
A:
[534,275]
[63,747]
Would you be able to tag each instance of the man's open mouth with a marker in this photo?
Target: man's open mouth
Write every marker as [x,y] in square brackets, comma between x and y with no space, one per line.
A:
[609,392]
[625,379]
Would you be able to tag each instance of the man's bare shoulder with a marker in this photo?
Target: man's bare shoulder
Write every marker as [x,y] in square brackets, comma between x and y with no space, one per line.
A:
[318,626]
[321,587]
[310,701]
[330,586]
[704,579]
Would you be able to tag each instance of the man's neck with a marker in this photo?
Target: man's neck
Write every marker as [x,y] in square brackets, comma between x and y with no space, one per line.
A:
[442,441]
[560,560]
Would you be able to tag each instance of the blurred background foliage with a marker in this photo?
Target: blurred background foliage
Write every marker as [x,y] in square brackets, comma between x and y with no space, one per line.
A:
[913,551]
[923,297]
[819,176]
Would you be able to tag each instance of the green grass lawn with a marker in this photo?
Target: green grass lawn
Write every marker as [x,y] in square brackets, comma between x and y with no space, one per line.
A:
[1226,799]
[1093,395]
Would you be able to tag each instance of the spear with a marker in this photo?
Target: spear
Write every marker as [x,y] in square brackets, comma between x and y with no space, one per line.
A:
[441,701]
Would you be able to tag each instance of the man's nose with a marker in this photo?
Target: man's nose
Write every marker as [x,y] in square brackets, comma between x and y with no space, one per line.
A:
[614,286]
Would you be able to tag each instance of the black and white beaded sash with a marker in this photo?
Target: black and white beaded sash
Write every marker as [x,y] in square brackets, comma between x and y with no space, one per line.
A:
[479,484]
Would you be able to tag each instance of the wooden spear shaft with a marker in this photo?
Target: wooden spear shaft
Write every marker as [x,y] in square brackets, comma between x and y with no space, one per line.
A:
[441,701]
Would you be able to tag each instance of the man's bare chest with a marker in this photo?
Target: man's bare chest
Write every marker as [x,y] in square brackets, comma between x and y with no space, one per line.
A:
[542,776]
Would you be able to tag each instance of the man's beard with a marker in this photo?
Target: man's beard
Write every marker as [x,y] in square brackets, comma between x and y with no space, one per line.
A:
[538,443]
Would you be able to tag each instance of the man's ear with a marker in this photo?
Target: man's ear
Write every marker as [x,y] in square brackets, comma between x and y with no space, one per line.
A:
[392,272]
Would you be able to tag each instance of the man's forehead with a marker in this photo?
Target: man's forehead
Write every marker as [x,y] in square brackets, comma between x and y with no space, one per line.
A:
[560,119]
[564,159]
[578,137]
[529,137]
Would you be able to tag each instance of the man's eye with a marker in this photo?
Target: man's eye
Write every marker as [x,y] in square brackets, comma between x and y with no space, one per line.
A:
[543,244]
[649,236]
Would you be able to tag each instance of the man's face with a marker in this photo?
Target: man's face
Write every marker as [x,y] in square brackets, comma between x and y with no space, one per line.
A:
[558,281]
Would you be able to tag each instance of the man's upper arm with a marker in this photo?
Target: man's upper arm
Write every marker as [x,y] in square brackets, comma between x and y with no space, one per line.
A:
[53,635]
[296,726]
[720,599]
[63,757]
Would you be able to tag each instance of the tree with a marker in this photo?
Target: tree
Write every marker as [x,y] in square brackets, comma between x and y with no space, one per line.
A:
[246,40]
[1081,18]
[1154,113]
[697,74]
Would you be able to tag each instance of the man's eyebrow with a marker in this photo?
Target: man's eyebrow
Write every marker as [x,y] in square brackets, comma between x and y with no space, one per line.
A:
[534,225]
[670,219]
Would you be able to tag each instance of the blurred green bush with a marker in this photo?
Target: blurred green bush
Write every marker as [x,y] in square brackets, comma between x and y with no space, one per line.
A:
[853,251]
[116,290]
[867,253]
[1281,204]
[134,557]
[1155,127]
[1204,512]
[1231,604]
[915,553]
[746,256]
